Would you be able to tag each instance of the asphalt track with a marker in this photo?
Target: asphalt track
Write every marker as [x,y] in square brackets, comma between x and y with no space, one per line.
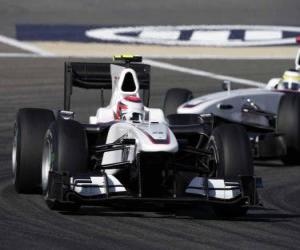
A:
[26,222]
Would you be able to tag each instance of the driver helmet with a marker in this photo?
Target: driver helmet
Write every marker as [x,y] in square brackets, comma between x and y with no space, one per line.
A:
[130,108]
[290,81]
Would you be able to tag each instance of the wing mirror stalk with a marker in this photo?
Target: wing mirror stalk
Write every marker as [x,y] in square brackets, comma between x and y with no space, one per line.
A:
[226,86]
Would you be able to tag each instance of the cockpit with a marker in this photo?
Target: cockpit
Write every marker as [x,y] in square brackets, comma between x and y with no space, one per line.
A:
[293,86]
[130,108]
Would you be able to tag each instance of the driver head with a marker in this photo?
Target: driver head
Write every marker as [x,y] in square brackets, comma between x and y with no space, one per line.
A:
[290,81]
[130,108]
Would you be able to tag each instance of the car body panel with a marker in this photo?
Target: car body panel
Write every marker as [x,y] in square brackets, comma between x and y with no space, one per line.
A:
[229,104]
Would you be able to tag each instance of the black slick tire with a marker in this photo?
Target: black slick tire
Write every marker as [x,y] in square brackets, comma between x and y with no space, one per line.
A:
[288,123]
[65,152]
[231,148]
[29,130]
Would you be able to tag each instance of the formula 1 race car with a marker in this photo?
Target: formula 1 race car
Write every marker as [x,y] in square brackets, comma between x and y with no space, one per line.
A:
[128,152]
[271,115]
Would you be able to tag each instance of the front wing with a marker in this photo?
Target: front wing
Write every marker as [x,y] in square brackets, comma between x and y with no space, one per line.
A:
[106,189]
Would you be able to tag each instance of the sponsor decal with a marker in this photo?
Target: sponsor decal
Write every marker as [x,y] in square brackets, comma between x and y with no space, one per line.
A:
[182,35]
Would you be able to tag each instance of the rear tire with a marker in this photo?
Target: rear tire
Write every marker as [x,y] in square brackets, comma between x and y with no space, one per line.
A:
[30,128]
[288,123]
[174,98]
[231,148]
[65,152]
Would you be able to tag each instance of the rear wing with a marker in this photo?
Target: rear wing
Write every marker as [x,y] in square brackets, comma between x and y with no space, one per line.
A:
[90,75]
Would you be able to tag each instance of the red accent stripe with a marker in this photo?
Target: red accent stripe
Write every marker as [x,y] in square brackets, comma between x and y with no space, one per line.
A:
[133,99]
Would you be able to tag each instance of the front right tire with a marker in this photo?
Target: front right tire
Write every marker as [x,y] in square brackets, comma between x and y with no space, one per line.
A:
[29,130]
[65,152]
[231,158]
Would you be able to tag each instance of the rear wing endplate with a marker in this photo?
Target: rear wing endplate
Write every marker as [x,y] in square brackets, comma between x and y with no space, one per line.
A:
[90,75]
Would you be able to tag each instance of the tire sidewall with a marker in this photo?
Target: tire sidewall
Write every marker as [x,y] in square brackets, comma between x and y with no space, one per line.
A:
[16,155]
[288,124]
[229,140]
[48,140]
[63,160]
[29,129]
[233,152]
[217,154]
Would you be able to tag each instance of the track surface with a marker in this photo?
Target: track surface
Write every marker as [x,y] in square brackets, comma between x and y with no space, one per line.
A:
[27,223]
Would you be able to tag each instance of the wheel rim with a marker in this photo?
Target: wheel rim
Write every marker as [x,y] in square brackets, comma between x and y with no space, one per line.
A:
[46,164]
[212,161]
[14,154]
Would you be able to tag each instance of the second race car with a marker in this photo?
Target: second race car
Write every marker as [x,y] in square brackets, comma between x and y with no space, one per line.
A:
[271,115]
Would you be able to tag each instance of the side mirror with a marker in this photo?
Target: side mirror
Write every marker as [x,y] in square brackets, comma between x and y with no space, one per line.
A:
[226,85]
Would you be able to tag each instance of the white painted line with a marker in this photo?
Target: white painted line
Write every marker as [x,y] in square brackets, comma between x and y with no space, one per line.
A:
[153,56]
[203,73]
[18,55]
[222,57]
[27,47]
[157,64]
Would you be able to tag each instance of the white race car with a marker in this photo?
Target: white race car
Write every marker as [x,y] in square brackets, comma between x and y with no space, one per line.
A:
[271,115]
[128,152]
